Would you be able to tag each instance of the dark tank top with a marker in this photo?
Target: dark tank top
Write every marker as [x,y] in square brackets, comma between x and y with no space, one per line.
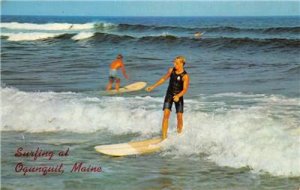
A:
[176,82]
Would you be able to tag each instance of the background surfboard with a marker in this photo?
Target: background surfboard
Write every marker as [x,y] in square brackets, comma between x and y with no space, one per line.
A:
[129,88]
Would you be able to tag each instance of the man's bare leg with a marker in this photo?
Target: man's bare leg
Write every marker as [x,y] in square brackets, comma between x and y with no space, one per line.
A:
[108,86]
[118,81]
[179,122]
[165,123]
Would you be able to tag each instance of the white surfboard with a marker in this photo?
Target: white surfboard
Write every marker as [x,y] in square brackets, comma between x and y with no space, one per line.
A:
[129,88]
[131,148]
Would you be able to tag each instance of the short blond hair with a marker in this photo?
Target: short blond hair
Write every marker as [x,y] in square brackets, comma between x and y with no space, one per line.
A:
[181,58]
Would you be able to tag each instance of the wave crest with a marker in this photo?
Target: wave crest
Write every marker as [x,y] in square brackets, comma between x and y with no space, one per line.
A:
[30,36]
[55,26]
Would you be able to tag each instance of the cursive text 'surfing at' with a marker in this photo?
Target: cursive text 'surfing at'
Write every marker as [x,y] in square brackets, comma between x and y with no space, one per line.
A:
[34,154]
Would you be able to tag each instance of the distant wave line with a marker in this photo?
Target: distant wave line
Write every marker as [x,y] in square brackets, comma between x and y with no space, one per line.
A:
[140,27]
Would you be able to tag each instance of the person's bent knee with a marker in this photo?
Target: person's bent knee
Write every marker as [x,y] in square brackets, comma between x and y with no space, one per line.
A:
[167,113]
[179,114]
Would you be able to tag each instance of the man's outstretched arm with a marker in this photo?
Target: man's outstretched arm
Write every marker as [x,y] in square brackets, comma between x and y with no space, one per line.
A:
[124,71]
[160,81]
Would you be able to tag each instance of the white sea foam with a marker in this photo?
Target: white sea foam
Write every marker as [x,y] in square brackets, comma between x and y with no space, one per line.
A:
[49,26]
[49,111]
[30,36]
[264,137]
[83,36]
[251,136]
[163,34]
[56,26]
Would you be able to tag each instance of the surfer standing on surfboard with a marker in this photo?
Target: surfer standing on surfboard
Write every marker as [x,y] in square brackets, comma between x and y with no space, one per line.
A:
[113,72]
[178,86]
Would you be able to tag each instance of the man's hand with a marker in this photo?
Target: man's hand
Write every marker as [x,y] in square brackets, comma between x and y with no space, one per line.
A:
[176,98]
[149,88]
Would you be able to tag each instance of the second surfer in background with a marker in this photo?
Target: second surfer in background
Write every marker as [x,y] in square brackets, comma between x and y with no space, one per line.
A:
[198,35]
[178,86]
[113,72]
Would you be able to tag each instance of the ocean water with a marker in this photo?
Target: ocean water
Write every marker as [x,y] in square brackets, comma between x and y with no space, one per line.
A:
[241,120]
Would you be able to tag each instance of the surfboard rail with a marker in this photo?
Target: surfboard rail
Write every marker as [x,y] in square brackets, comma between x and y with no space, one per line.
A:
[130,148]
